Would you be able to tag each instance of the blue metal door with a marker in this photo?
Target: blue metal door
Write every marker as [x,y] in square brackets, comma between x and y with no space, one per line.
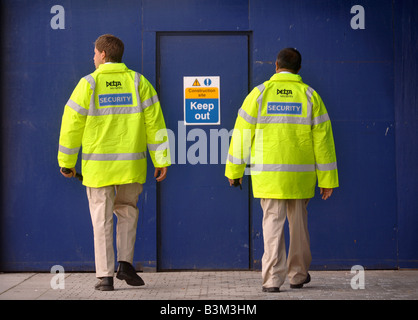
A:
[202,222]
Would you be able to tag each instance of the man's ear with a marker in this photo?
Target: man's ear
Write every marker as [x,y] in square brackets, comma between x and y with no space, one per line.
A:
[277,66]
[103,55]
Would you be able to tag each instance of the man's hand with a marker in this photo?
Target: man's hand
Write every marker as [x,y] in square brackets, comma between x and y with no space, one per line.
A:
[68,175]
[160,174]
[326,193]
[232,181]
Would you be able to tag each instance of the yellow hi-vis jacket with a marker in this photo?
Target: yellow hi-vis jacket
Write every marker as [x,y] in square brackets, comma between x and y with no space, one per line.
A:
[285,130]
[114,114]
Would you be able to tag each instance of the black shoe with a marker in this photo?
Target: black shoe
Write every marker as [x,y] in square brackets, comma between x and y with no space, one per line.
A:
[300,285]
[271,289]
[127,272]
[104,284]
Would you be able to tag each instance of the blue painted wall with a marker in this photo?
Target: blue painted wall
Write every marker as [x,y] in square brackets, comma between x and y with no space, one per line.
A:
[367,79]
[406,117]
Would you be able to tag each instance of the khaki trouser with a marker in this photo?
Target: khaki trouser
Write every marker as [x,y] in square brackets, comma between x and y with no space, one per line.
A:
[103,202]
[274,268]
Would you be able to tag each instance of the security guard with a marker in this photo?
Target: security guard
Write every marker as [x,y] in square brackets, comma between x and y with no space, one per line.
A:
[114,114]
[285,131]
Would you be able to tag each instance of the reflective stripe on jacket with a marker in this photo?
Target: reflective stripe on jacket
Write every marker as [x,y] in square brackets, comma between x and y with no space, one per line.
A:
[284,133]
[114,114]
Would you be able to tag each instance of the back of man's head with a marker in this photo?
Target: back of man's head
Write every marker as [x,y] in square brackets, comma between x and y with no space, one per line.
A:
[112,45]
[290,59]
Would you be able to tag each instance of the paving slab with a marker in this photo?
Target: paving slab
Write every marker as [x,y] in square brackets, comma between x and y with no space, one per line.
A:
[212,285]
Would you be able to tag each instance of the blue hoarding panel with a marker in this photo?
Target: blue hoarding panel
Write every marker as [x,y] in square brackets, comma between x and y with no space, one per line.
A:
[406,107]
[366,77]
[45,219]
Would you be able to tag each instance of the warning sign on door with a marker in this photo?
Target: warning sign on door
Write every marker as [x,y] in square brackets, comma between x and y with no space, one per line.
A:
[201,100]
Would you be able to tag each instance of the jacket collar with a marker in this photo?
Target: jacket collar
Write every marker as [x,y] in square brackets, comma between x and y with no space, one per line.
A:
[112,67]
[286,77]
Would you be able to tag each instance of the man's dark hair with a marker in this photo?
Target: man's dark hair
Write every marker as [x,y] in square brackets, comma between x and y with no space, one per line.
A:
[289,58]
[113,47]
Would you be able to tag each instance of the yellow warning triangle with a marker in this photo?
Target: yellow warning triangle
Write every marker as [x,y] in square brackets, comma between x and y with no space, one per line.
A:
[196,83]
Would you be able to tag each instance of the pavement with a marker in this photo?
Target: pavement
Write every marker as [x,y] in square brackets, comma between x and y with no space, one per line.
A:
[213,285]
